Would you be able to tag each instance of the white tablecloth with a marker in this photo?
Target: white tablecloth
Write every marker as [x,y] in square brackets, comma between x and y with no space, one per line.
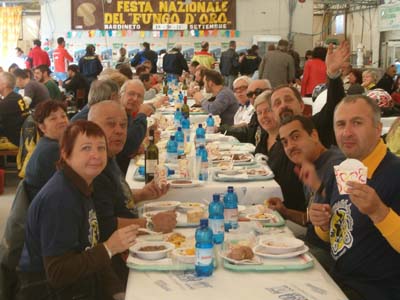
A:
[254,192]
[313,283]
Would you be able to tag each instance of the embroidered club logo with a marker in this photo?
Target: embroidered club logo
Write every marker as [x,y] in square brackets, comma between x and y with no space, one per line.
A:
[93,229]
[341,237]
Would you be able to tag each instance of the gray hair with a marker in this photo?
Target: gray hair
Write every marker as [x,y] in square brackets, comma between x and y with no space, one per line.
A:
[131,81]
[99,107]
[9,79]
[101,90]
[372,73]
[262,98]
[376,111]
[247,79]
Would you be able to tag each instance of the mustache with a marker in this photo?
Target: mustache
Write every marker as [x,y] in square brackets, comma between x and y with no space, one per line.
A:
[286,112]
[294,150]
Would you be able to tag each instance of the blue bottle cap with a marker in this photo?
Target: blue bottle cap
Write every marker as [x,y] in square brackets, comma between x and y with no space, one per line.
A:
[179,128]
[230,188]
[200,125]
[216,197]
[203,222]
[172,138]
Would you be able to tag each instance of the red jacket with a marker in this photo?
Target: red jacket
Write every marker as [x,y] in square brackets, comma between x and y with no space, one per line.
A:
[314,74]
[37,57]
[60,55]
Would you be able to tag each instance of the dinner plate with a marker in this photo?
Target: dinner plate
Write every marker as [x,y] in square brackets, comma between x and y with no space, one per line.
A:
[163,205]
[185,183]
[280,245]
[259,250]
[264,217]
[254,261]
[191,205]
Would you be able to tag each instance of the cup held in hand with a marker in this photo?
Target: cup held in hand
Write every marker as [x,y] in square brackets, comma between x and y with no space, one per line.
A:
[350,170]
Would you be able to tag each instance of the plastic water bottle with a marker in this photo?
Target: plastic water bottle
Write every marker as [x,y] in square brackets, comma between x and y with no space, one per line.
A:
[170,95]
[200,136]
[216,219]
[180,140]
[172,150]
[186,128]
[204,265]
[177,118]
[202,152]
[231,209]
[210,124]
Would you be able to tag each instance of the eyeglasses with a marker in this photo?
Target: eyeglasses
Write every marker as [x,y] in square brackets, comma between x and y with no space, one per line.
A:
[255,93]
[240,88]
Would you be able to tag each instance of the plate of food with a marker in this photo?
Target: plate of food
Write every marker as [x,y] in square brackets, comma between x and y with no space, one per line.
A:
[151,250]
[186,206]
[185,255]
[185,183]
[264,217]
[281,245]
[162,205]
[240,255]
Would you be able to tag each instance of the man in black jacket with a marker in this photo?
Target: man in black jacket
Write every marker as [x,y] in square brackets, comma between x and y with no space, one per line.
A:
[174,62]
[229,64]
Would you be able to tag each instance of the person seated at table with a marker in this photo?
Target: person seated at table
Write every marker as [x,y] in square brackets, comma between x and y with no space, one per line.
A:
[114,75]
[223,102]
[198,83]
[42,74]
[34,91]
[387,81]
[99,90]
[51,121]
[112,188]
[151,91]
[369,78]
[363,225]
[246,109]
[13,112]
[75,81]
[62,257]
[132,97]
[302,146]
[252,132]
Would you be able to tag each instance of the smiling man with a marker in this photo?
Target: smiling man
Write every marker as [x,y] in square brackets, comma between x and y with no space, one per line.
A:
[363,226]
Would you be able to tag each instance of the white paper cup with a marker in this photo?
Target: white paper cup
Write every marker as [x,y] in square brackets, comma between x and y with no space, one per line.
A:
[350,170]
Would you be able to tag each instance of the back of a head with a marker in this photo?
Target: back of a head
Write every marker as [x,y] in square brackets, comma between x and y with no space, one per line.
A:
[9,79]
[213,76]
[320,53]
[204,45]
[90,49]
[37,43]
[283,45]
[146,45]
[43,69]
[73,68]
[101,90]
[19,73]
[194,64]
[144,77]
[355,89]
[125,70]
[232,44]
[60,40]
[178,46]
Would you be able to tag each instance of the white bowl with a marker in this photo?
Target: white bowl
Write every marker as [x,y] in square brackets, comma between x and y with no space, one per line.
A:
[181,255]
[151,255]
[281,245]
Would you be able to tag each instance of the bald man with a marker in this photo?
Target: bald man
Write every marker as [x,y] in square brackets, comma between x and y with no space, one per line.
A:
[115,201]
[250,133]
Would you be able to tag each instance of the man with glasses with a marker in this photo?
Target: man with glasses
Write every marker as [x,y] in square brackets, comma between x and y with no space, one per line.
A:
[246,109]
[250,133]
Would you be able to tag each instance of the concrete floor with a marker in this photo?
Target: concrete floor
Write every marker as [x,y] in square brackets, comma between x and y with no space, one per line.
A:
[7,198]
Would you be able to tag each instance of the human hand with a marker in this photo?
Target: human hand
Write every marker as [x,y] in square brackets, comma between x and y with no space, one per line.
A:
[320,215]
[198,96]
[151,191]
[367,201]
[164,221]
[276,203]
[336,58]
[122,239]
[146,109]
[308,175]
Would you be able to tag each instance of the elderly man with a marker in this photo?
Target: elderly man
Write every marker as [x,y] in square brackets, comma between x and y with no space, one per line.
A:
[246,109]
[132,95]
[13,111]
[363,225]
[224,104]
[42,75]
[250,133]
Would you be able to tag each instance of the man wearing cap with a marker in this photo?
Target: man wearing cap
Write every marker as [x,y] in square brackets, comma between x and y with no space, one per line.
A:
[278,66]
[42,75]
[146,54]
[174,63]
[204,57]
[229,64]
